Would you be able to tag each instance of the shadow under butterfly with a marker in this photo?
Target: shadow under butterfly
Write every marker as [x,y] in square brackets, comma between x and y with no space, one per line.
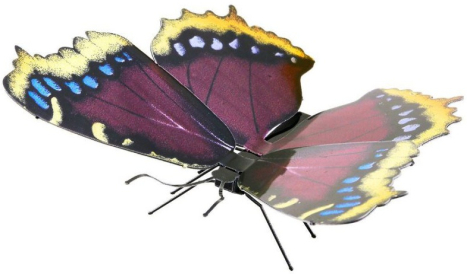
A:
[224,98]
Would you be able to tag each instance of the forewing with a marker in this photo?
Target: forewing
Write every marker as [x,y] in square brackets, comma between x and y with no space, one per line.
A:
[380,115]
[329,184]
[248,77]
[107,89]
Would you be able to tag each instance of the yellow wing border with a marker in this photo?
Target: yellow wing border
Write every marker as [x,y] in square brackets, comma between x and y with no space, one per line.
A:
[377,185]
[437,112]
[64,64]
[173,28]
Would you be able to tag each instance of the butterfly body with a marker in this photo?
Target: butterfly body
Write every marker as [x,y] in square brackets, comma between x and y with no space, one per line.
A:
[228,175]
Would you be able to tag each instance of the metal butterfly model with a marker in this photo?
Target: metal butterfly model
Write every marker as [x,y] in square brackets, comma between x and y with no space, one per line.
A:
[224,98]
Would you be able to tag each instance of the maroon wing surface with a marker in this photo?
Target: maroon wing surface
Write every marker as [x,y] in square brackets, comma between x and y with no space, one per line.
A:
[108,90]
[380,115]
[248,77]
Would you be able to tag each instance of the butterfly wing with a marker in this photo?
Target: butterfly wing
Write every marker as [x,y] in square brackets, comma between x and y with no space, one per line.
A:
[108,90]
[329,184]
[380,115]
[248,77]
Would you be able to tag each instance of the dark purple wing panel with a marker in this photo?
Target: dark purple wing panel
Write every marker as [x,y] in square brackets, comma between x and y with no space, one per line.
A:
[250,97]
[329,184]
[248,77]
[380,115]
[128,101]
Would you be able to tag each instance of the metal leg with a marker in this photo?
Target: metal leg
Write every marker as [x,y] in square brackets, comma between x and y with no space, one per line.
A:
[136,177]
[201,174]
[171,200]
[221,188]
[189,185]
[272,230]
[307,225]
[205,214]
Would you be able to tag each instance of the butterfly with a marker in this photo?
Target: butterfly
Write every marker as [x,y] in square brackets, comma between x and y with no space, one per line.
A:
[224,97]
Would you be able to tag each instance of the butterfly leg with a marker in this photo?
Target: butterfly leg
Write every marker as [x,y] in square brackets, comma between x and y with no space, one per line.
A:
[189,185]
[307,225]
[171,200]
[201,173]
[136,177]
[272,229]
[221,188]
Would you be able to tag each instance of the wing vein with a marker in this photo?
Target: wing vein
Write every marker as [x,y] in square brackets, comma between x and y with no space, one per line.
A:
[324,155]
[150,104]
[368,132]
[131,112]
[300,175]
[348,124]
[188,77]
[251,98]
[158,122]
[213,80]
[163,91]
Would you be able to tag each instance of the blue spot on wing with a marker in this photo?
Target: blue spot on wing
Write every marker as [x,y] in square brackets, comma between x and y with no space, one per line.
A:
[106,69]
[119,59]
[345,190]
[366,166]
[51,83]
[90,82]
[38,99]
[347,205]
[351,198]
[40,88]
[350,180]
[379,155]
[331,212]
[127,56]
[74,87]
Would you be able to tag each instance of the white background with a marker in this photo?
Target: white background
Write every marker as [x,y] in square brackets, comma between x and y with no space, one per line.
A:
[65,209]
